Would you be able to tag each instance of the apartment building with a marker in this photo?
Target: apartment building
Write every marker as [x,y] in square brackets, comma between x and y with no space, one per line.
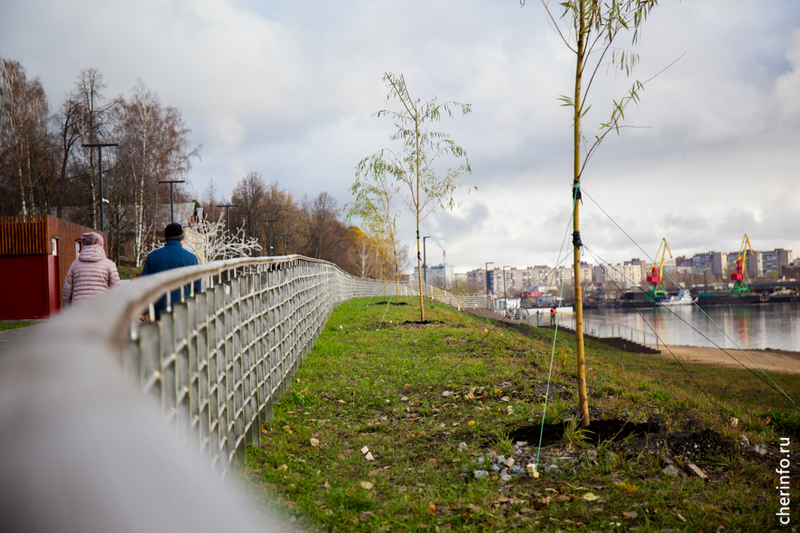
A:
[716,262]
[540,275]
[565,274]
[775,261]
[477,276]
[641,263]
[621,275]
[439,275]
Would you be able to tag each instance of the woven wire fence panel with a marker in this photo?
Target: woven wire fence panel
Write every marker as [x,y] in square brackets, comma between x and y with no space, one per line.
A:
[220,358]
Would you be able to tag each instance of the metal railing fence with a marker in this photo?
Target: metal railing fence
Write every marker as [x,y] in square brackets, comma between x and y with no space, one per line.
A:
[75,437]
[459,301]
[596,329]
[607,331]
[219,359]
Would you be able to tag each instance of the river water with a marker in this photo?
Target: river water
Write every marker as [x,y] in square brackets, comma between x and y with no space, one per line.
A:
[775,326]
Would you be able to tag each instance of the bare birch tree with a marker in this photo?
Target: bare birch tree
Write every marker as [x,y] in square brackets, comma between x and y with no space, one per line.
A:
[94,123]
[250,195]
[67,125]
[363,251]
[153,146]
[23,131]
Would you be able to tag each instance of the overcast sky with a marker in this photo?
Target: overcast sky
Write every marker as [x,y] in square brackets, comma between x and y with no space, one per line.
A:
[289,90]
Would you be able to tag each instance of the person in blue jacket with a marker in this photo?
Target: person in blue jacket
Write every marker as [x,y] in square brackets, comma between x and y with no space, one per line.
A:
[171,255]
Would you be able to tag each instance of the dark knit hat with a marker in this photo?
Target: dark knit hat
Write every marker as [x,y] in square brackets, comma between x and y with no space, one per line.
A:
[173,232]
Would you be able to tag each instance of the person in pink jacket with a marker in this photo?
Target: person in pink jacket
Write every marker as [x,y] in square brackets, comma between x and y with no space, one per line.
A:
[91,272]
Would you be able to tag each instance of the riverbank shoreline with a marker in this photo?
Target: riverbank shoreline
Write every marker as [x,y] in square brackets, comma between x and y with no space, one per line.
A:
[767,359]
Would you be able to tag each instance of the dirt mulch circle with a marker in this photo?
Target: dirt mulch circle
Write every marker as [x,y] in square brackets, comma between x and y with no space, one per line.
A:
[420,323]
[629,436]
[598,431]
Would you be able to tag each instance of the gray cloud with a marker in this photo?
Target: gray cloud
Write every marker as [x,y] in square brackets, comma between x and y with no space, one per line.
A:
[289,89]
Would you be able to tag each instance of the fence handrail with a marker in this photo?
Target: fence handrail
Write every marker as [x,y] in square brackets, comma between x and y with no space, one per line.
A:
[126,302]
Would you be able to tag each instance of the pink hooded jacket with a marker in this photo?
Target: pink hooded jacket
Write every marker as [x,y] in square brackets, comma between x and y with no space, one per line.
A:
[91,272]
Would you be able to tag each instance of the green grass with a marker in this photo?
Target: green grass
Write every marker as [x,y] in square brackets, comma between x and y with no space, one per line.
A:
[15,324]
[751,390]
[128,272]
[411,394]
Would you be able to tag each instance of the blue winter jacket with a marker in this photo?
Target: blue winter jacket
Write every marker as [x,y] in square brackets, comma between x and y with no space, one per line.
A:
[171,255]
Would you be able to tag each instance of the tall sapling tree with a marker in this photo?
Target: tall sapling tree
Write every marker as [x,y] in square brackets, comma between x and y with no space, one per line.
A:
[589,31]
[421,186]
[374,204]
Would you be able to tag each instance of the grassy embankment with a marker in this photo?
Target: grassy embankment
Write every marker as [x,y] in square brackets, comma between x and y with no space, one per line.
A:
[372,381]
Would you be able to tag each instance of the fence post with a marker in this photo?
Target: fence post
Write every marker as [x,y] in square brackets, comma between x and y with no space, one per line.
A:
[180,316]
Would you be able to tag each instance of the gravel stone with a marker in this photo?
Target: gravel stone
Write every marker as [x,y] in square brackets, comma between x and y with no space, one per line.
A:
[517,470]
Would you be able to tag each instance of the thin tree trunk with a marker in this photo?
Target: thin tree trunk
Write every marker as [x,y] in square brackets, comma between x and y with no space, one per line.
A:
[22,190]
[382,273]
[94,200]
[583,402]
[31,198]
[396,273]
[419,260]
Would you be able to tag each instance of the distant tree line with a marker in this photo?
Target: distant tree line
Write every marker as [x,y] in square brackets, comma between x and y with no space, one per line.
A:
[46,169]
[309,227]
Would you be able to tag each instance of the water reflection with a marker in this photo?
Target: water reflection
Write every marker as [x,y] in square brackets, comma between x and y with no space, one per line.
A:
[774,326]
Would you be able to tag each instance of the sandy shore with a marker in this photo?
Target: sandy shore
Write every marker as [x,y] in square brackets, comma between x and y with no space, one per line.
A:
[770,361]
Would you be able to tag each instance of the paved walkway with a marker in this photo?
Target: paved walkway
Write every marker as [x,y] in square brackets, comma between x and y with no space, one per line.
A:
[486,313]
[9,337]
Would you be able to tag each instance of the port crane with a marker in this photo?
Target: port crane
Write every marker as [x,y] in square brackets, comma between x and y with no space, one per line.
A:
[739,277]
[654,273]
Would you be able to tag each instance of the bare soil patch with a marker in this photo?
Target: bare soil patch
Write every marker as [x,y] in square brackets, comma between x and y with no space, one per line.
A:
[597,432]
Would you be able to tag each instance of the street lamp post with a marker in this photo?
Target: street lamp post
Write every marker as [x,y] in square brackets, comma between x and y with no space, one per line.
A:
[171,205]
[487,282]
[269,234]
[228,216]
[285,241]
[425,260]
[444,266]
[100,165]
[505,296]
